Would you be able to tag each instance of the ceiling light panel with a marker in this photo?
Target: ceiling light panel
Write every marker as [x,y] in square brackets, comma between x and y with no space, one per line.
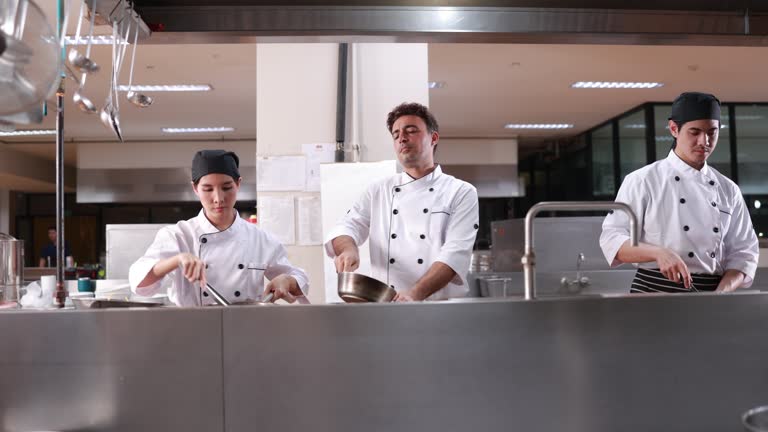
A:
[166,88]
[198,130]
[615,85]
[538,126]
[30,132]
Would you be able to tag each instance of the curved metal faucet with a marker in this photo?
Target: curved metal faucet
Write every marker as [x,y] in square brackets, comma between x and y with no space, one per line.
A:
[529,258]
[581,281]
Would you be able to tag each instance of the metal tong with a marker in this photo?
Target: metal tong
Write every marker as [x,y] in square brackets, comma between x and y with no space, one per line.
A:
[224,302]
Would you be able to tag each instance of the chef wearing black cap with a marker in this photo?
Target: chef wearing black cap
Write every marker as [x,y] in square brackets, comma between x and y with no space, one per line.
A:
[695,230]
[216,247]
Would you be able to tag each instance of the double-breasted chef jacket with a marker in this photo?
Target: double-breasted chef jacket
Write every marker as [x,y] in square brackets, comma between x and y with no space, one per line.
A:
[413,223]
[236,261]
[699,214]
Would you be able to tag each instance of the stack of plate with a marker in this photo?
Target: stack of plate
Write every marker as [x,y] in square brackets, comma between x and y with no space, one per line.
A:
[113,289]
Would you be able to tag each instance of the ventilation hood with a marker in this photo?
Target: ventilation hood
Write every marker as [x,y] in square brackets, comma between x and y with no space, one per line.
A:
[673,22]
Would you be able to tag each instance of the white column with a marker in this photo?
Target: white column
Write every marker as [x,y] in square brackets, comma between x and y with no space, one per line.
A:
[5,211]
[384,76]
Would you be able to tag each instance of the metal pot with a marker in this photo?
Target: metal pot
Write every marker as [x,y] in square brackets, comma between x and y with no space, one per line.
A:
[357,288]
[756,419]
[11,268]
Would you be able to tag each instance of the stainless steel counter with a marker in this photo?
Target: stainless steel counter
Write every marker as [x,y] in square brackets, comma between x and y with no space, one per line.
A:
[672,363]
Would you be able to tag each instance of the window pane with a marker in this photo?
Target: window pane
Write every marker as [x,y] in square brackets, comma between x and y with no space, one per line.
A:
[632,152]
[602,161]
[720,159]
[663,137]
[751,137]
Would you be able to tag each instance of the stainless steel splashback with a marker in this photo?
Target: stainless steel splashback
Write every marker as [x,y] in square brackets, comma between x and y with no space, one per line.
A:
[147,185]
[558,243]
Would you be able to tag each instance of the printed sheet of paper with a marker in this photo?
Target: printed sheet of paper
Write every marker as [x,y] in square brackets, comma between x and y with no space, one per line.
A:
[277,216]
[316,154]
[280,173]
[310,222]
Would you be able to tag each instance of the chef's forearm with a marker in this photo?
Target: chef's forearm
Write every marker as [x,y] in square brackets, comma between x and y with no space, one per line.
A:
[641,253]
[732,279]
[159,270]
[436,278]
[343,243]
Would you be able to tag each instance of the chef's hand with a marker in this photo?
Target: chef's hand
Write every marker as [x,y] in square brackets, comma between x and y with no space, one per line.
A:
[192,267]
[285,287]
[347,261]
[404,296]
[347,255]
[673,267]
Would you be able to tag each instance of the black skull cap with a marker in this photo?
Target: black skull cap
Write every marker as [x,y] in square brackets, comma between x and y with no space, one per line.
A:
[215,162]
[690,106]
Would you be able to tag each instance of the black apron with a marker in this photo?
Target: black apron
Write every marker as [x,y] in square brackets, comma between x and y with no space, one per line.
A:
[653,281]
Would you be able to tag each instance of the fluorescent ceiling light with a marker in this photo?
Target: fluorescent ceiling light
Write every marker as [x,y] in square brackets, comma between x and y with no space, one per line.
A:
[167,88]
[664,138]
[749,117]
[436,84]
[538,126]
[634,126]
[96,40]
[198,130]
[30,132]
[615,84]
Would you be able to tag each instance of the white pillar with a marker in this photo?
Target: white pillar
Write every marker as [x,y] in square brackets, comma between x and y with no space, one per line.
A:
[5,211]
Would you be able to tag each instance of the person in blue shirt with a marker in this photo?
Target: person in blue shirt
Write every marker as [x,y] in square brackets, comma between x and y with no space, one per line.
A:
[48,253]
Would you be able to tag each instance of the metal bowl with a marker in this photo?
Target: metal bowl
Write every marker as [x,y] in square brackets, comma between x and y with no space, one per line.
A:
[357,288]
[756,419]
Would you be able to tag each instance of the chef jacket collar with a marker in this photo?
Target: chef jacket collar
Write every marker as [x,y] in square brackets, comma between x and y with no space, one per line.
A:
[416,184]
[683,167]
[207,227]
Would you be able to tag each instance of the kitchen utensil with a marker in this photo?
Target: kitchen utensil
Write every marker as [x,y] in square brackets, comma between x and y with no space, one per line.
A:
[756,419]
[109,115]
[81,101]
[358,288]
[30,61]
[217,296]
[11,268]
[138,99]
[94,303]
[83,63]
[267,299]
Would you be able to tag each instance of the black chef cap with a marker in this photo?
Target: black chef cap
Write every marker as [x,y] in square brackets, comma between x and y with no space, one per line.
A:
[691,106]
[215,162]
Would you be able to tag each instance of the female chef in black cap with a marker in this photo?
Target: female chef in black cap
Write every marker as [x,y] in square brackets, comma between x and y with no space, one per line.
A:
[216,247]
[695,230]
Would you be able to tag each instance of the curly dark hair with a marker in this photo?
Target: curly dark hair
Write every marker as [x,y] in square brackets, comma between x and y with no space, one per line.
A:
[412,108]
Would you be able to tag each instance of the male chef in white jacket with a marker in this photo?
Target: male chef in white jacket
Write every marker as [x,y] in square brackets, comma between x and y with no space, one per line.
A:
[421,223]
[695,229]
[216,247]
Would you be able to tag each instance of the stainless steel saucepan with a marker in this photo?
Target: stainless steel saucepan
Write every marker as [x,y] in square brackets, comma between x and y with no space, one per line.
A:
[358,288]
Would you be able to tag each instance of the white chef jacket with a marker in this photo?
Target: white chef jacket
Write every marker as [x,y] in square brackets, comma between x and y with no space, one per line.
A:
[699,214]
[236,261]
[412,223]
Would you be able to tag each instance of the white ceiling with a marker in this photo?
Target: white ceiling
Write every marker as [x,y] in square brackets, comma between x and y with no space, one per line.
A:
[486,87]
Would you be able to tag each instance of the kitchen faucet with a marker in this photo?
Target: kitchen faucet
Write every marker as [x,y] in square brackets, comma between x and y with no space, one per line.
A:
[529,258]
[581,281]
